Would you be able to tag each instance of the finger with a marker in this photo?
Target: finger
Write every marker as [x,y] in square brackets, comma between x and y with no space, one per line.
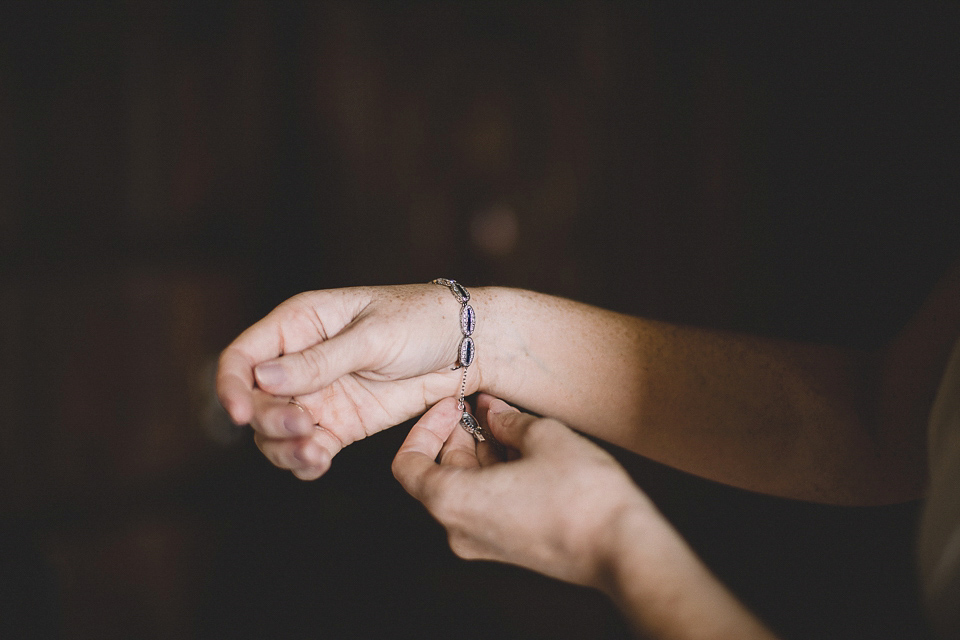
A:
[460,449]
[491,450]
[483,401]
[304,456]
[327,440]
[235,385]
[309,474]
[515,429]
[488,405]
[306,371]
[262,341]
[354,408]
[417,456]
[489,410]
[277,418]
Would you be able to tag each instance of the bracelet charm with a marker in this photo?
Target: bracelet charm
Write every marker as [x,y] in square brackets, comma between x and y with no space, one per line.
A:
[467,352]
[468,320]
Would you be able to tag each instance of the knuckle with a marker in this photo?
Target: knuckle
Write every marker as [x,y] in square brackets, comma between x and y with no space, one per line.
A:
[315,362]
[396,467]
[299,299]
[442,499]
[297,305]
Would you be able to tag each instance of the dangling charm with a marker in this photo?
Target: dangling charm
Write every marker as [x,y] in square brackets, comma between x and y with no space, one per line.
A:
[470,425]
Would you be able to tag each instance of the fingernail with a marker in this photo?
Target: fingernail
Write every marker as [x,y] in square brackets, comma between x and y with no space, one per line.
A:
[499,406]
[270,373]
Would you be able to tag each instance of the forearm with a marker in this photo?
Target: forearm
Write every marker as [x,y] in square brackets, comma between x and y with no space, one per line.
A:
[666,592]
[771,416]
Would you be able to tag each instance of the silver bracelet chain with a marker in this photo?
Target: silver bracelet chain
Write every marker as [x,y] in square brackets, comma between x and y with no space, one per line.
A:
[467,351]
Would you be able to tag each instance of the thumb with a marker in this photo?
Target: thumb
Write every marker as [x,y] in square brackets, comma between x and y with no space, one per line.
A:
[416,461]
[314,368]
[521,431]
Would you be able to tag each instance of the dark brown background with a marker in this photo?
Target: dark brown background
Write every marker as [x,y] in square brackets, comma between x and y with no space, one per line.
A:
[171,171]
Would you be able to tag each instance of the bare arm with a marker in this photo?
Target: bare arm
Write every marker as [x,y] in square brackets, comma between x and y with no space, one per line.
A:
[665,591]
[797,420]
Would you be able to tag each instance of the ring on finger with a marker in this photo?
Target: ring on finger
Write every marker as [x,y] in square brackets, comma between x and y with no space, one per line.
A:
[293,400]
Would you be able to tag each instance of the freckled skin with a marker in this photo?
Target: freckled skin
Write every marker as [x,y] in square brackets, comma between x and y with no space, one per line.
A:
[767,415]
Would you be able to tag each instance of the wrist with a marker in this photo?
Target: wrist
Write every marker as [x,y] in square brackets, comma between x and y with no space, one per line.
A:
[489,338]
[663,588]
[633,529]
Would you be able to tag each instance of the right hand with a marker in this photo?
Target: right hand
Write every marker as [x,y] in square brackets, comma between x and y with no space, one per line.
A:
[357,361]
[564,507]
[559,506]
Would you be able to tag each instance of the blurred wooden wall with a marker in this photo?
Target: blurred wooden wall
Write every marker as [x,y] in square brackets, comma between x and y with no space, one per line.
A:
[169,171]
[172,170]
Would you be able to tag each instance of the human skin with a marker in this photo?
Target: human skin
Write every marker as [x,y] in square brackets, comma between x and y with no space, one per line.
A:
[797,420]
[564,507]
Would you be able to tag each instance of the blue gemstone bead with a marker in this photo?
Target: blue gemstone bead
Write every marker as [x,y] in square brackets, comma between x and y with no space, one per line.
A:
[468,320]
[460,292]
[467,351]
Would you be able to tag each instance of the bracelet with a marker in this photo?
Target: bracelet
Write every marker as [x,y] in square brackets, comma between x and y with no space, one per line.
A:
[467,351]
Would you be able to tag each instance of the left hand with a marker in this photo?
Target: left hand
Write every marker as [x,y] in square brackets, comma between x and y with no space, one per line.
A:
[555,507]
[356,360]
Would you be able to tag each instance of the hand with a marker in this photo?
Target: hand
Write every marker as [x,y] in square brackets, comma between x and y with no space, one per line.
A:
[356,361]
[556,507]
